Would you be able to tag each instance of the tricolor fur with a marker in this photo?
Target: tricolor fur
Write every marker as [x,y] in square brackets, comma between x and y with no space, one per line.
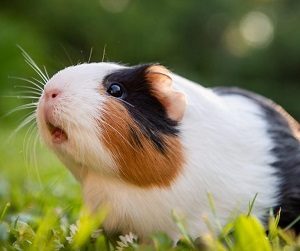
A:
[166,144]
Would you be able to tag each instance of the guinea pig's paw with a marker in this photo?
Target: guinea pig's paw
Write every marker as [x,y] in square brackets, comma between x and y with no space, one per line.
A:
[174,101]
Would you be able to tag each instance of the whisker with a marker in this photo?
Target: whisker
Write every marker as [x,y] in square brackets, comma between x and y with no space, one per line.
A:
[28,81]
[90,56]
[28,92]
[35,67]
[125,140]
[29,147]
[67,54]
[111,114]
[33,64]
[118,152]
[103,53]
[35,159]
[26,141]
[41,82]
[46,72]
[29,87]
[26,121]
[124,101]
[21,97]
[20,108]
[67,125]
[82,57]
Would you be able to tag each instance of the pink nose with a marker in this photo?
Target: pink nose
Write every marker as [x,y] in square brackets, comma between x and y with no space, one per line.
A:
[52,94]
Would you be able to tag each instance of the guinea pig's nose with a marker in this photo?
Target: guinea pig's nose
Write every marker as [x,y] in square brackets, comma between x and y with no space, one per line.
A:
[52,94]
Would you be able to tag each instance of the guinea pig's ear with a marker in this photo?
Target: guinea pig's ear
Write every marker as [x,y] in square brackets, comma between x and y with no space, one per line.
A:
[161,82]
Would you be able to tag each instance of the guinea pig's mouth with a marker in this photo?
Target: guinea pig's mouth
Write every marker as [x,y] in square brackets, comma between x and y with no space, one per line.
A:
[58,135]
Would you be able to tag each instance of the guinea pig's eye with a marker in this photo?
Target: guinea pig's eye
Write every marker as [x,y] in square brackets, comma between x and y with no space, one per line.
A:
[117,90]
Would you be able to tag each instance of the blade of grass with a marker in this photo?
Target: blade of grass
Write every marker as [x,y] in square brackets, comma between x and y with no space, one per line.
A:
[251,205]
[7,205]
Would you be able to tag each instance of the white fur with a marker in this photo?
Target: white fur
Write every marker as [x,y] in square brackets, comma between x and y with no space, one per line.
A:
[76,112]
[226,145]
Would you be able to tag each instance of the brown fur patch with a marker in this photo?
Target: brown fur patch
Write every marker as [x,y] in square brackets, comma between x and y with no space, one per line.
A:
[138,160]
[173,101]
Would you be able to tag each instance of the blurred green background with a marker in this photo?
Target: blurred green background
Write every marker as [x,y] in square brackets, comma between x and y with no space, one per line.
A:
[254,44]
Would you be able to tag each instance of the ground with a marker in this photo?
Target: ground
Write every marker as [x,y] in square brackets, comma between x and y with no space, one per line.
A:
[41,209]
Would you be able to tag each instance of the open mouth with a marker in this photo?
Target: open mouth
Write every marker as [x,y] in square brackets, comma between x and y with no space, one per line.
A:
[58,134]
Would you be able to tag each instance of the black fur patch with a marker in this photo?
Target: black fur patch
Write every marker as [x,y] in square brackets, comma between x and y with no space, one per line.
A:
[144,108]
[285,133]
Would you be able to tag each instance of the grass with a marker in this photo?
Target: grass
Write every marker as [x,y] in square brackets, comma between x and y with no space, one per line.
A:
[40,209]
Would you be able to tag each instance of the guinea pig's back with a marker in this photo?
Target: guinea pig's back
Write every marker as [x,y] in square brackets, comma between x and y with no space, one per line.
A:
[284,132]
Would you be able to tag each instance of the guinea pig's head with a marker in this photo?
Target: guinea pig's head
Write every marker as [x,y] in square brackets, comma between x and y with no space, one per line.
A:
[119,121]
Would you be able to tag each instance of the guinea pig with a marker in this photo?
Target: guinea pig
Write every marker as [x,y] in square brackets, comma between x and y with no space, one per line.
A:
[146,141]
